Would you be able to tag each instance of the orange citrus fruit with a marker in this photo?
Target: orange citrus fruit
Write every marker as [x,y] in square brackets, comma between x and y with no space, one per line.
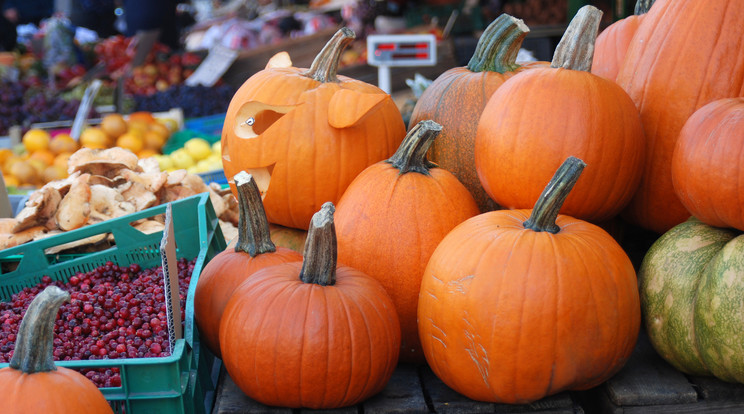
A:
[154,140]
[61,159]
[5,153]
[53,173]
[130,141]
[63,143]
[114,125]
[143,116]
[94,138]
[11,181]
[36,139]
[8,164]
[24,172]
[147,153]
[45,156]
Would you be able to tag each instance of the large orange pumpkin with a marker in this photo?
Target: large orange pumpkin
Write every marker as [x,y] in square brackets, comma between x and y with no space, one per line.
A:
[516,305]
[311,334]
[226,271]
[393,216]
[307,133]
[708,164]
[612,43]
[457,97]
[539,117]
[685,54]
[32,383]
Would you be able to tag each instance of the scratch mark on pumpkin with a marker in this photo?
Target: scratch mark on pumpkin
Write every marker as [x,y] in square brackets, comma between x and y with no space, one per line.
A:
[475,350]
[460,285]
[433,296]
[433,325]
[436,338]
[433,276]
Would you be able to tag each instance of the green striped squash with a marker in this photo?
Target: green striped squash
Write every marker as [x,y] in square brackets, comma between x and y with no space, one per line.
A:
[692,298]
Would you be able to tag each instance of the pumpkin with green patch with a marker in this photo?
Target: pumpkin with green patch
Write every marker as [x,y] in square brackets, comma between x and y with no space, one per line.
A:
[692,296]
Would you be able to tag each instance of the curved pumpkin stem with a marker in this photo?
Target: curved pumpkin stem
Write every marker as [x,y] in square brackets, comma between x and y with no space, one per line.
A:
[254,235]
[321,250]
[575,51]
[325,65]
[551,200]
[411,155]
[34,344]
[498,46]
[643,6]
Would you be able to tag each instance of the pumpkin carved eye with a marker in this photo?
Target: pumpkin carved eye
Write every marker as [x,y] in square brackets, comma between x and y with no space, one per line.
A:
[254,118]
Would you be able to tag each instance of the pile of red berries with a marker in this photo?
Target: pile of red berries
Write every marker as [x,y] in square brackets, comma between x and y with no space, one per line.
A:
[114,312]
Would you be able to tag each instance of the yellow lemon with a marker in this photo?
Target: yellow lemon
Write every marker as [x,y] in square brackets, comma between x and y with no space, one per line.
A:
[165,162]
[36,139]
[198,148]
[181,159]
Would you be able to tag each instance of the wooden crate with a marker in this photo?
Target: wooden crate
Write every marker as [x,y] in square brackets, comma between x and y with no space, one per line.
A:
[648,384]
[411,390]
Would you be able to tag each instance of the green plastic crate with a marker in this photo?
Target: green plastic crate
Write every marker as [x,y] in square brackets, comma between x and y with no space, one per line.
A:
[183,383]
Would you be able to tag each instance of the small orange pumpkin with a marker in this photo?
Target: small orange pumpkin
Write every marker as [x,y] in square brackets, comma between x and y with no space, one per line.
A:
[305,134]
[516,305]
[226,271]
[32,383]
[541,116]
[311,334]
[393,216]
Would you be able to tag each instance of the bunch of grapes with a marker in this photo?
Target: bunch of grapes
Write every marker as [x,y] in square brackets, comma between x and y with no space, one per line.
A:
[11,102]
[195,101]
[40,107]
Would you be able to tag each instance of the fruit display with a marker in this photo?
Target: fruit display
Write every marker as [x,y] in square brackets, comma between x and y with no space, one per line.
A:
[196,156]
[195,101]
[104,184]
[32,368]
[113,312]
[301,124]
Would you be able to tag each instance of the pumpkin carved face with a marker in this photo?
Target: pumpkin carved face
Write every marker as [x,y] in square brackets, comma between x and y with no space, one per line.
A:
[305,134]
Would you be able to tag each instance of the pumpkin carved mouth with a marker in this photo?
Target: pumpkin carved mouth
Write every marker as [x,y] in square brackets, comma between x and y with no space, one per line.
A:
[262,176]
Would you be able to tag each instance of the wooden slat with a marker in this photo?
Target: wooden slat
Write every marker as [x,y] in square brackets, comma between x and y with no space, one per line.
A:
[402,395]
[446,401]
[231,400]
[648,380]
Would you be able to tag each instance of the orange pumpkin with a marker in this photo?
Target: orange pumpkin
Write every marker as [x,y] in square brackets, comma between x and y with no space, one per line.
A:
[516,305]
[226,271]
[612,43]
[311,334]
[305,134]
[708,164]
[685,54]
[457,97]
[32,383]
[539,117]
[393,216]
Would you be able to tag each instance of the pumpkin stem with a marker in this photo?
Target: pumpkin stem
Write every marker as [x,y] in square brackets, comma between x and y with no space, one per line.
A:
[35,340]
[643,6]
[254,236]
[576,48]
[498,46]
[551,200]
[411,155]
[325,66]
[319,257]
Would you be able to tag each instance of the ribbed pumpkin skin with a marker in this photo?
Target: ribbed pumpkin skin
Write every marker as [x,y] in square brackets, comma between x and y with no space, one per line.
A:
[612,45]
[692,294]
[314,162]
[295,344]
[511,315]
[388,225]
[219,279]
[686,54]
[456,100]
[708,164]
[538,118]
[65,392]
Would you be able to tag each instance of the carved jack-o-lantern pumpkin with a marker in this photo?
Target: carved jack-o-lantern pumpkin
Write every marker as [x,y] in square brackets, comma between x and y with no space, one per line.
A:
[305,134]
